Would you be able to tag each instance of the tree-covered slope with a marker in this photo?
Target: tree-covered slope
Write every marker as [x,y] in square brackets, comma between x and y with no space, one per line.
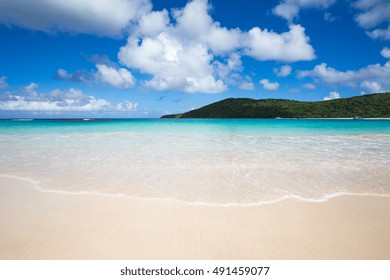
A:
[366,106]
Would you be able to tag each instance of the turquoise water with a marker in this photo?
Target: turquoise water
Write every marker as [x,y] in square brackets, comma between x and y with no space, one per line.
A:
[281,126]
[216,161]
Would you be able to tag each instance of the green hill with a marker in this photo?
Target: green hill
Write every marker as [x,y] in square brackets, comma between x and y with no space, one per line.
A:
[366,106]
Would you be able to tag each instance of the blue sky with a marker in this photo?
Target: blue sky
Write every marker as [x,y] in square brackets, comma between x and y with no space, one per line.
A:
[146,58]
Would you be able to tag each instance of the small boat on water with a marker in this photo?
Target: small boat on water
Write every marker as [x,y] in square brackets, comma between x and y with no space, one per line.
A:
[357,118]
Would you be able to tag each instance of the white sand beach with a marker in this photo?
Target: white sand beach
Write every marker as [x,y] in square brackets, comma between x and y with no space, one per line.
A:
[44,225]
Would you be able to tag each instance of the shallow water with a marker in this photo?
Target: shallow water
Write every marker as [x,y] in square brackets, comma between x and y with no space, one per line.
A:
[218,161]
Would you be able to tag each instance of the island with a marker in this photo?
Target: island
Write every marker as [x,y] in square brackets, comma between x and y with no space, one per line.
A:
[375,105]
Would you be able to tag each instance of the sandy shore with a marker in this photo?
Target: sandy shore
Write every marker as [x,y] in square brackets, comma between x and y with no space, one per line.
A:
[42,225]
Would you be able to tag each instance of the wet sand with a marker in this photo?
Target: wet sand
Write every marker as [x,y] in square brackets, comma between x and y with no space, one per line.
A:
[46,225]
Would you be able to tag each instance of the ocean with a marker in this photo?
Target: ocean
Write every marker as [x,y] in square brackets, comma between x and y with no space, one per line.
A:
[207,161]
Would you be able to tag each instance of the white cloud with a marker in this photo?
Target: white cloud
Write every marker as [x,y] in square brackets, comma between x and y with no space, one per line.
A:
[289,9]
[127,106]
[309,86]
[284,71]
[376,75]
[268,85]
[289,46]
[372,14]
[179,57]
[103,17]
[153,23]
[58,101]
[329,17]
[195,23]
[380,33]
[76,76]
[173,64]
[30,88]
[230,72]
[3,82]
[233,64]
[246,85]
[110,75]
[221,40]
[119,78]
[332,95]
[385,52]
[194,53]
[329,74]
[372,87]
[62,74]
[365,4]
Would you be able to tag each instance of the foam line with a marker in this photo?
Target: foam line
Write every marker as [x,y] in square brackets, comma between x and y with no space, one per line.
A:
[324,198]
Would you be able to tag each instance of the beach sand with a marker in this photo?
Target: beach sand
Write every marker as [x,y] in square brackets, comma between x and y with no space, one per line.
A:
[45,225]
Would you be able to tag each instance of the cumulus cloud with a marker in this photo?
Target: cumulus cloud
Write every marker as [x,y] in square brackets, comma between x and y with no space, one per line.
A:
[191,52]
[106,74]
[289,9]
[179,55]
[119,78]
[376,73]
[385,52]
[232,64]
[372,14]
[77,76]
[268,85]
[153,23]
[371,87]
[246,85]
[284,71]
[3,82]
[309,86]
[289,46]
[332,95]
[380,33]
[230,72]
[103,17]
[195,23]
[371,77]
[62,74]
[31,88]
[58,100]
[126,106]
[181,49]
[173,64]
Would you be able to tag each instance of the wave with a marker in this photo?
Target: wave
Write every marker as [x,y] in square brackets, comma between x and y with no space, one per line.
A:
[36,185]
